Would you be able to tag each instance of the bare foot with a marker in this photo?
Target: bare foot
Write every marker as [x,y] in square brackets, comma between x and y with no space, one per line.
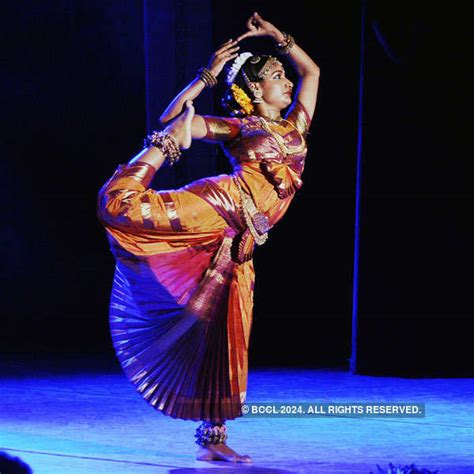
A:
[220,452]
[180,127]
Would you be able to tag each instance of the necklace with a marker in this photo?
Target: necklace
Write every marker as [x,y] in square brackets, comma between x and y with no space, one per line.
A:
[268,119]
[279,139]
[257,222]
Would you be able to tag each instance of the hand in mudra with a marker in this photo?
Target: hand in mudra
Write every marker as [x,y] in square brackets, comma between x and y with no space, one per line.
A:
[257,26]
[224,54]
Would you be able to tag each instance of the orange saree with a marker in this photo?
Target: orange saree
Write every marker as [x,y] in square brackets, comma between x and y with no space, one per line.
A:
[181,303]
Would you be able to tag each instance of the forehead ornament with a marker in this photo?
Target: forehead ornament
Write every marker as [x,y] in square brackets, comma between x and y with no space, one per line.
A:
[271,62]
[267,67]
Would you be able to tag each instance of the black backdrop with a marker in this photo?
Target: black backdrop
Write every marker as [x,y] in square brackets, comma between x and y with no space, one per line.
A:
[74,108]
[416,257]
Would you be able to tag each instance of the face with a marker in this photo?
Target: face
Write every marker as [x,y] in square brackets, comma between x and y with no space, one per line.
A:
[276,88]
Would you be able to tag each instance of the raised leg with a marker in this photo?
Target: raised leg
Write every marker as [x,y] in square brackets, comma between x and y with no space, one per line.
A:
[179,128]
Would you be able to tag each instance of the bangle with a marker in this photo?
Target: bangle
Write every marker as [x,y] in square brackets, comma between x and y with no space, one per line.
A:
[207,77]
[167,144]
[285,46]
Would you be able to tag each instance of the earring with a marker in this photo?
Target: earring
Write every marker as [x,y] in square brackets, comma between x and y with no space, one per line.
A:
[257,97]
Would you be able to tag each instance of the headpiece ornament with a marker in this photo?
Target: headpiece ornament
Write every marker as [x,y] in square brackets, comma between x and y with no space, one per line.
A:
[236,65]
[240,96]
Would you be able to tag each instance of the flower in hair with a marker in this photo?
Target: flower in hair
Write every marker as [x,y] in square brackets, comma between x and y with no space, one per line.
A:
[242,99]
[236,65]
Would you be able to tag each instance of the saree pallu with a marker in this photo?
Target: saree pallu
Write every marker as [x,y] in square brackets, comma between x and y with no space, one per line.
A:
[181,307]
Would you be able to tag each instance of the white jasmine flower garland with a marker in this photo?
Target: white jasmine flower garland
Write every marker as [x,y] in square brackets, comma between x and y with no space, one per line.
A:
[236,65]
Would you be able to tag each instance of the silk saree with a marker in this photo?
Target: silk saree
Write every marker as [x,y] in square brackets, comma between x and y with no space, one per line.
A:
[181,302]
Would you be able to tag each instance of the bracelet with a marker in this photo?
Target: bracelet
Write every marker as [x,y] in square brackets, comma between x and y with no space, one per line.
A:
[207,77]
[285,46]
[167,144]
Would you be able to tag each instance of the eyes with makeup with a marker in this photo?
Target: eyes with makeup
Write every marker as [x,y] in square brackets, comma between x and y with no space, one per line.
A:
[280,75]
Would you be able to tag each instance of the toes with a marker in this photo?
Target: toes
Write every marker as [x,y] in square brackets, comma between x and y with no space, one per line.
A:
[239,458]
[189,107]
[189,110]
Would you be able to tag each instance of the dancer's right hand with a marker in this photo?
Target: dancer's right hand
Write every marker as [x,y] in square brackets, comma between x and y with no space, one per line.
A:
[225,53]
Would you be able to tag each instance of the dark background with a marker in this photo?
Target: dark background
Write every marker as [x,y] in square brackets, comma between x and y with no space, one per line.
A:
[74,106]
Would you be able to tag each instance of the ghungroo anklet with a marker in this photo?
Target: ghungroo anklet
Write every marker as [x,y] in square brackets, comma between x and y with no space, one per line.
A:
[167,144]
[210,433]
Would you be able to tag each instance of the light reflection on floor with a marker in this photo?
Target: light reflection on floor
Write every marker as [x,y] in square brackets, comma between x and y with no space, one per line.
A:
[79,419]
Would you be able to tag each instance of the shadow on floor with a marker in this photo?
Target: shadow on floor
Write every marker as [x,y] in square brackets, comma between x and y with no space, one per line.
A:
[230,469]
[13,465]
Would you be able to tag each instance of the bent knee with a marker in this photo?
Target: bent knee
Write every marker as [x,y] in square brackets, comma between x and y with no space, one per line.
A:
[191,213]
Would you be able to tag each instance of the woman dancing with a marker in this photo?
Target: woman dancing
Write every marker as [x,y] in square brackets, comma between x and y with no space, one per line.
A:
[181,304]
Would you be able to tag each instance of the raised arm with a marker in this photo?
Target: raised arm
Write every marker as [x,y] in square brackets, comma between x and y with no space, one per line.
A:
[306,68]
[225,53]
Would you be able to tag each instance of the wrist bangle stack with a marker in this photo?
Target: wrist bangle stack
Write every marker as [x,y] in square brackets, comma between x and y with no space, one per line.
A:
[285,46]
[207,77]
[167,144]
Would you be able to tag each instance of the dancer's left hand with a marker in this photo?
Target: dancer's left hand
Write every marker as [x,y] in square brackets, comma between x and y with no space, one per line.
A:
[257,26]
[224,54]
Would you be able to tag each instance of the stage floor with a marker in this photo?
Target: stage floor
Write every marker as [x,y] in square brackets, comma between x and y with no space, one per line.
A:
[83,416]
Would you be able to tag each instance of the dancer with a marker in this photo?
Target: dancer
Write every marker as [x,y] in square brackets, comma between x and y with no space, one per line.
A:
[181,304]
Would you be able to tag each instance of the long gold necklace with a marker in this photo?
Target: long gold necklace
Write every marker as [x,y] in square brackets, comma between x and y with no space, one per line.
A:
[279,139]
[257,222]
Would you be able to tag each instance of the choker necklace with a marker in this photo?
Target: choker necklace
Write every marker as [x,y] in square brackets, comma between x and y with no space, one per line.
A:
[268,119]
